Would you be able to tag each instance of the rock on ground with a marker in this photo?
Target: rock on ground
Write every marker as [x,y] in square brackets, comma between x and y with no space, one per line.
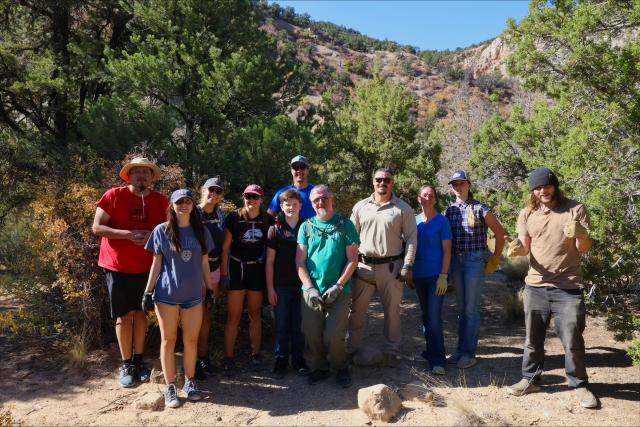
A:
[368,356]
[150,402]
[416,390]
[379,402]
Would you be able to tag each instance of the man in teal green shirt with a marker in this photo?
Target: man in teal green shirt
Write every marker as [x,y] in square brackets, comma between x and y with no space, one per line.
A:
[326,258]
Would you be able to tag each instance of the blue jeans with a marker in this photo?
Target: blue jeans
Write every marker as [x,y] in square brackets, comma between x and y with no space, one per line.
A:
[467,277]
[431,306]
[288,325]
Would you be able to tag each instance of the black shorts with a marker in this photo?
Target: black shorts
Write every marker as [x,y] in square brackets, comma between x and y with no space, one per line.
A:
[125,292]
[249,277]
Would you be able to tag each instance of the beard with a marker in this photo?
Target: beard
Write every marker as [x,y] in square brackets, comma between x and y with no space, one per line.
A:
[322,213]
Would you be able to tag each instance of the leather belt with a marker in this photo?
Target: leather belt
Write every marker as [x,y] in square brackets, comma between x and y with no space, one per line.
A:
[375,260]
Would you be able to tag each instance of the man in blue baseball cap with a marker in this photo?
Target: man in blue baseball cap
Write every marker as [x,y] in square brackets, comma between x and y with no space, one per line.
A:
[300,175]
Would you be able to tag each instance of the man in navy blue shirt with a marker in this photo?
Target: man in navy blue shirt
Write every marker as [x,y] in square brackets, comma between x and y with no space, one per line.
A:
[300,174]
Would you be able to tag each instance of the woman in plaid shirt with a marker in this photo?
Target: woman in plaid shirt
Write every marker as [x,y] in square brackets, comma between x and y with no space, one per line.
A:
[471,259]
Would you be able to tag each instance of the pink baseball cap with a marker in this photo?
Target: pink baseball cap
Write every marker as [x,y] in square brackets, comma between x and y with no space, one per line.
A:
[253,189]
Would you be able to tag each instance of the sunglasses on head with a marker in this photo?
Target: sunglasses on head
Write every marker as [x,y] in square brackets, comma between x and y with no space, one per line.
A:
[249,196]
[299,166]
[216,190]
[183,201]
[386,180]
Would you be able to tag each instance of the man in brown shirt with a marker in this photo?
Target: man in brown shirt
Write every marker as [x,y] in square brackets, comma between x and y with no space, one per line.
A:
[553,231]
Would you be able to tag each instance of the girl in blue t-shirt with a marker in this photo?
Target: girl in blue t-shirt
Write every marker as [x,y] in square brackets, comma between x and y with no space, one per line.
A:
[430,271]
[180,249]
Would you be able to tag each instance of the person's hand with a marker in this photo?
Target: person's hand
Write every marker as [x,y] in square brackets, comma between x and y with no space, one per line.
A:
[573,229]
[515,248]
[314,300]
[441,284]
[406,274]
[139,237]
[273,296]
[147,302]
[331,294]
[224,282]
[492,264]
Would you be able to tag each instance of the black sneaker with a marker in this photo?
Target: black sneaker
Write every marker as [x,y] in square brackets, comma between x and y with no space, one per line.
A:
[257,362]
[142,373]
[343,379]
[127,375]
[229,366]
[279,368]
[302,368]
[316,376]
[209,369]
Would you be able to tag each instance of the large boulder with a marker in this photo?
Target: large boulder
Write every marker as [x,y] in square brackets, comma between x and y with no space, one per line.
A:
[150,402]
[379,402]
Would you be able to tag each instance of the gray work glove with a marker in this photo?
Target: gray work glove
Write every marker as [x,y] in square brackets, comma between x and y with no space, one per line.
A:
[314,300]
[224,282]
[331,294]
[406,274]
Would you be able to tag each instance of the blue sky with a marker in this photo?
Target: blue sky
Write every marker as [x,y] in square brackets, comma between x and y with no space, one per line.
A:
[426,24]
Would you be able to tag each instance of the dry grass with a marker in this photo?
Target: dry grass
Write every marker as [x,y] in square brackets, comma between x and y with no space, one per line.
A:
[512,301]
[7,419]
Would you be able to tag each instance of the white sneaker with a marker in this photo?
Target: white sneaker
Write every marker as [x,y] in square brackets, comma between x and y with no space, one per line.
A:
[171,396]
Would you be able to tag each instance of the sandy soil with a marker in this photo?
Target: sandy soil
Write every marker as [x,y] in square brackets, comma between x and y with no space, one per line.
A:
[39,390]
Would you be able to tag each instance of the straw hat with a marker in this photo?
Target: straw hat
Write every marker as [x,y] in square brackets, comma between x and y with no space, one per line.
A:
[139,162]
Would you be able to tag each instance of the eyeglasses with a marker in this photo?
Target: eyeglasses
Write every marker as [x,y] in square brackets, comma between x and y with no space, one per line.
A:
[322,199]
[386,180]
[299,167]
[183,201]
[216,190]
[251,196]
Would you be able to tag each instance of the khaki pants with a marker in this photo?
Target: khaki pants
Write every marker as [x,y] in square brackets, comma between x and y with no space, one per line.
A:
[368,278]
[325,329]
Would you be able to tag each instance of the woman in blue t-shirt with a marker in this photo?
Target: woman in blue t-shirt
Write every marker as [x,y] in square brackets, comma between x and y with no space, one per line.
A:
[430,271]
[180,265]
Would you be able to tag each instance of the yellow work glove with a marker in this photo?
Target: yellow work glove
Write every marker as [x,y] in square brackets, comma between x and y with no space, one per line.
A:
[573,229]
[515,248]
[441,284]
[471,218]
[492,264]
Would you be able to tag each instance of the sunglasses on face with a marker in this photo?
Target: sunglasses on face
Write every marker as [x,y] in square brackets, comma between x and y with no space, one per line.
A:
[215,190]
[322,199]
[183,201]
[299,167]
[251,196]
[385,180]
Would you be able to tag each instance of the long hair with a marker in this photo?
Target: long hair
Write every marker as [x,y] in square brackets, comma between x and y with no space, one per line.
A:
[533,202]
[435,192]
[173,231]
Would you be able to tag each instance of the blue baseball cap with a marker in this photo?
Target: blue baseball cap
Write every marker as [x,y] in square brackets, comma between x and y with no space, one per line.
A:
[181,194]
[300,159]
[459,175]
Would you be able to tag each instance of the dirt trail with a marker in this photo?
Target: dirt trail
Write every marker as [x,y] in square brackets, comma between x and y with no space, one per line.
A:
[39,391]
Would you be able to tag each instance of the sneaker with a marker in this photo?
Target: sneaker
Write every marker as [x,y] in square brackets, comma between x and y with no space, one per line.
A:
[127,375]
[316,376]
[522,387]
[191,390]
[257,362]
[200,375]
[343,379]
[586,398]
[142,373]
[229,366]
[438,370]
[279,368]
[466,362]
[171,396]
[452,359]
[302,368]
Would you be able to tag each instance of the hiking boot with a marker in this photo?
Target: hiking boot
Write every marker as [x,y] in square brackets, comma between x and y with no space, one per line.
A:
[142,373]
[316,376]
[279,368]
[522,387]
[171,396]
[229,367]
[127,375]
[452,359]
[586,398]
[466,362]
[191,390]
[302,368]
[343,379]
[438,370]
[257,362]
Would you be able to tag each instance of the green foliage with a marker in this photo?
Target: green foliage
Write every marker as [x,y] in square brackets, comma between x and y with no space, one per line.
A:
[634,352]
[584,56]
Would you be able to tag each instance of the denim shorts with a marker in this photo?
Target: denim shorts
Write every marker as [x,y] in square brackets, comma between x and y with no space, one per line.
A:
[182,305]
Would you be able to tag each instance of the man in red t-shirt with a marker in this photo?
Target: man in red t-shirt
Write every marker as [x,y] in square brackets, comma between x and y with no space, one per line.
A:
[125,217]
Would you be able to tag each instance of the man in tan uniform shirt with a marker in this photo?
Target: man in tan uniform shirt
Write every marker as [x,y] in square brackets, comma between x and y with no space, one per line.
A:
[554,231]
[388,236]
